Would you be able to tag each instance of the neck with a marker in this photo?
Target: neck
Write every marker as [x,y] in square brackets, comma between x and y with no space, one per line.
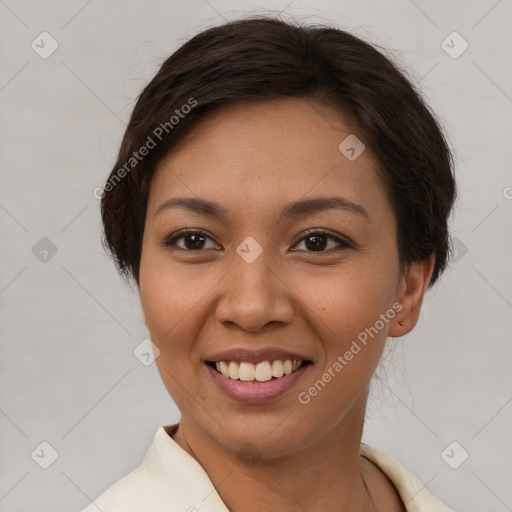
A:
[325,475]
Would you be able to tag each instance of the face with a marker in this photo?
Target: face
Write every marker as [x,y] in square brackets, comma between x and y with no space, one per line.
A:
[291,254]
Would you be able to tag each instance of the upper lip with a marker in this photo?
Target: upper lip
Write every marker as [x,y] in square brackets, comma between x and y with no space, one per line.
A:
[256,356]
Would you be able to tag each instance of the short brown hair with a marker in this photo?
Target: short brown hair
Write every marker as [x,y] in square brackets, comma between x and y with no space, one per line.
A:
[263,58]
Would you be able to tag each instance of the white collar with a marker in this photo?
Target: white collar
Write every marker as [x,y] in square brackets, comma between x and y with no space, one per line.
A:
[171,480]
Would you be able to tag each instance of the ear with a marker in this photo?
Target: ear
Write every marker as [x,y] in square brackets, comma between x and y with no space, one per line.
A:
[410,292]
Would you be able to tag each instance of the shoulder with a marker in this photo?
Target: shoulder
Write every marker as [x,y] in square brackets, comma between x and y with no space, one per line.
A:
[411,490]
[167,480]
[142,490]
[123,495]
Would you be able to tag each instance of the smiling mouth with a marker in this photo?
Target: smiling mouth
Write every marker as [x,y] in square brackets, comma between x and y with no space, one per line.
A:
[259,372]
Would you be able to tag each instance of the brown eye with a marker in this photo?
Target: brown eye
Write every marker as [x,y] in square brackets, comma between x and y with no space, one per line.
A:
[192,241]
[318,241]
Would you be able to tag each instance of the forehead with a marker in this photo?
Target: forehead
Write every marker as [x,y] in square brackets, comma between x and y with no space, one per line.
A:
[254,156]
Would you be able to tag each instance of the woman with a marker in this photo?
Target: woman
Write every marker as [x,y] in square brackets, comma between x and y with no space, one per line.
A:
[281,200]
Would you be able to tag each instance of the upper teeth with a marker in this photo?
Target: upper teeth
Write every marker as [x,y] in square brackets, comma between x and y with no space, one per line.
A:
[261,371]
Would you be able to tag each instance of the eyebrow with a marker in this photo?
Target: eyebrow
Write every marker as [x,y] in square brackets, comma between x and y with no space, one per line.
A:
[293,209]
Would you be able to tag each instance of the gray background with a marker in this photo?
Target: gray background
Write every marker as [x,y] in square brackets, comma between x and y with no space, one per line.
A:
[69,325]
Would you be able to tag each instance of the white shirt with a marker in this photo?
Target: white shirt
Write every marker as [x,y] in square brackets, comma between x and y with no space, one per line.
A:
[171,480]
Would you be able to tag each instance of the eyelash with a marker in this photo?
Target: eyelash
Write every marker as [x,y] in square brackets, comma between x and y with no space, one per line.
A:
[170,242]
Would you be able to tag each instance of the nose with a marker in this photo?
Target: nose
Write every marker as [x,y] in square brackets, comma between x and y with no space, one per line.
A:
[255,295]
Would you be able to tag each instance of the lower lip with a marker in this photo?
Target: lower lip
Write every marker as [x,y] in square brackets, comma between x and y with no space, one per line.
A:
[254,392]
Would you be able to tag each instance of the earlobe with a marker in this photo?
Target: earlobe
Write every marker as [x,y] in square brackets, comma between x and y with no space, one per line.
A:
[411,291]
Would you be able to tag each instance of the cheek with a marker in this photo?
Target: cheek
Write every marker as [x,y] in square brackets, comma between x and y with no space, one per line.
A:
[353,297]
[163,292]
[164,298]
[174,300]
[168,302]
[352,311]
[346,314]
[171,335]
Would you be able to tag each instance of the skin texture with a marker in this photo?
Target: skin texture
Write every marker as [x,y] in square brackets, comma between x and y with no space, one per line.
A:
[252,160]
